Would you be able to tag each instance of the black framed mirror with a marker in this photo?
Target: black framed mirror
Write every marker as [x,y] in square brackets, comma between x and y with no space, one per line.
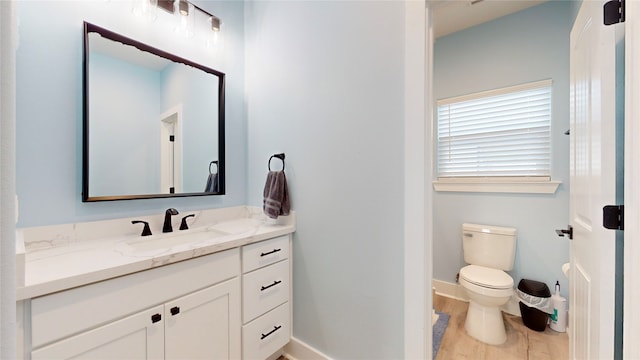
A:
[153,122]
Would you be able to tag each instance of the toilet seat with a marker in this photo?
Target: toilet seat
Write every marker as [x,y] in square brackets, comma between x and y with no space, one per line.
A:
[486,277]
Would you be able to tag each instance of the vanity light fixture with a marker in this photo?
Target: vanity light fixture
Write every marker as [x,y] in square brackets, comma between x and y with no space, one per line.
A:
[215,23]
[214,40]
[146,8]
[166,5]
[183,7]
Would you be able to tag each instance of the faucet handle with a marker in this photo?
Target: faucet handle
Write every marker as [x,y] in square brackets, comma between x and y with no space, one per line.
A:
[183,224]
[146,231]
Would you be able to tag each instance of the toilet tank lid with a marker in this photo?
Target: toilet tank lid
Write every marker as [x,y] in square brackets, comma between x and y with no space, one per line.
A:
[488,229]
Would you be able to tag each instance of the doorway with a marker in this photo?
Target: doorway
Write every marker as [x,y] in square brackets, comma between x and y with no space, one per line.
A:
[631,195]
[529,45]
[171,151]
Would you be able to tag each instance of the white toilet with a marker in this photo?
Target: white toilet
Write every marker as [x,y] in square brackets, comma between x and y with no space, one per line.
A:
[489,251]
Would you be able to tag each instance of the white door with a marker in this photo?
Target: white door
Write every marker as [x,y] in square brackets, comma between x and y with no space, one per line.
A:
[137,337]
[632,178]
[171,150]
[205,324]
[592,86]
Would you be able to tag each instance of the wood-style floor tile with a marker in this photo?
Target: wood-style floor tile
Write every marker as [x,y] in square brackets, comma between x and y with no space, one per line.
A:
[522,342]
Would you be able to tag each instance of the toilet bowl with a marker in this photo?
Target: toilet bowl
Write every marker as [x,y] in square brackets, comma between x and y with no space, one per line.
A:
[488,289]
[489,251]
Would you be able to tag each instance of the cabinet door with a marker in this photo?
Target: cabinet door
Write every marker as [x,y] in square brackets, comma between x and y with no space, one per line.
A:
[205,324]
[139,336]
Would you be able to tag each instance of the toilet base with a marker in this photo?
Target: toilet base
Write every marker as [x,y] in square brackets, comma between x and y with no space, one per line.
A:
[485,324]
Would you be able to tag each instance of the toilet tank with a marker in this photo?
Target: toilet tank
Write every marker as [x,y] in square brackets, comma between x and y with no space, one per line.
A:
[490,246]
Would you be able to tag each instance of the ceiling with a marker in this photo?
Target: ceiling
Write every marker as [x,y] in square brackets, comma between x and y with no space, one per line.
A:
[450,16]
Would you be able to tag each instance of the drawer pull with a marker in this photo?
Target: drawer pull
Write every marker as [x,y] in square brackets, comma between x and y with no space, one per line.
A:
[270,252]
[155,318]
[275,328]
[276,282]
[175,310]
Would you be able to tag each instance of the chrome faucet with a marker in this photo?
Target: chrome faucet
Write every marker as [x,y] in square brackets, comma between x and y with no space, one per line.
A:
[167,220]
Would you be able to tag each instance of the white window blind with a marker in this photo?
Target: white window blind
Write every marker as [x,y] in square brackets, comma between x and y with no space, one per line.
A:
[499,133]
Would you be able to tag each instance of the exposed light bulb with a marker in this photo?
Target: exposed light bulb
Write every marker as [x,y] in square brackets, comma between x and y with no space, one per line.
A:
[183,6]
[215,23]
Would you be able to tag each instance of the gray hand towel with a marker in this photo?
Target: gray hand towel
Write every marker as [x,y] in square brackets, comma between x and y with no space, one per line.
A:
[276,195]
[212,183]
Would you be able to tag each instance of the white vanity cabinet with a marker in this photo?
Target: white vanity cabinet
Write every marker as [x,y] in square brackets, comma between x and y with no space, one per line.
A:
[196,326]
[171,312]
[229,304]
[266,294]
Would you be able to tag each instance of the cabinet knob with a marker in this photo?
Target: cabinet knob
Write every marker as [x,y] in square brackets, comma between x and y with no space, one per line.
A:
[175,310]
[155,318]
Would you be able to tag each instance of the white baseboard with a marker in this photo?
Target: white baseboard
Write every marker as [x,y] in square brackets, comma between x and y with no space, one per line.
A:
[297,349]
[456,291]
[451,290]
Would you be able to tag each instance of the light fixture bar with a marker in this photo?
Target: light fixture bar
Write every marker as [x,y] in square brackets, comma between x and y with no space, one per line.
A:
[166,5]
[183,8]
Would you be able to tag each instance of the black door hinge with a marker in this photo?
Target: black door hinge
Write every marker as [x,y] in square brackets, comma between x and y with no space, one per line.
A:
[614,12]
[172,138]
[613,217]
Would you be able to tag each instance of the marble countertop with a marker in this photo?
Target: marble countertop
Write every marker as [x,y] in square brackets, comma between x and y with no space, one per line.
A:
[60,257]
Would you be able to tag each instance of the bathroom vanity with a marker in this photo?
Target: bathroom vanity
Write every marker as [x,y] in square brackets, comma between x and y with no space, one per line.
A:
[220,290]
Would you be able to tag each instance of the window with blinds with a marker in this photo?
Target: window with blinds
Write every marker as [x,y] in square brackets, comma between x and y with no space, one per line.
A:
[498,133]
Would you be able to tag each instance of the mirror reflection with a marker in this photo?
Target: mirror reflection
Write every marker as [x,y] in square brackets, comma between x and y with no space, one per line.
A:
[154,123]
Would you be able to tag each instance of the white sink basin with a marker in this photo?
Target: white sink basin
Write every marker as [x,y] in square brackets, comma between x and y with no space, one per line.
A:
[238,226]
[169,240]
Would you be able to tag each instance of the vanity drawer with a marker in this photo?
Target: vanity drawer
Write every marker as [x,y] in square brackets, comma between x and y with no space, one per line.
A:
[264,289]
[263,253]
[265,335]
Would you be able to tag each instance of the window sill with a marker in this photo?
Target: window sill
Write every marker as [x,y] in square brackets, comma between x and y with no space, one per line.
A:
[519,187]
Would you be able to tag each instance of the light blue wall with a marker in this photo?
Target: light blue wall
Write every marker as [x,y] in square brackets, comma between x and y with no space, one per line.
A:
[325,86]
[49,108]
[193,89]
[136,89]
[524,47]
